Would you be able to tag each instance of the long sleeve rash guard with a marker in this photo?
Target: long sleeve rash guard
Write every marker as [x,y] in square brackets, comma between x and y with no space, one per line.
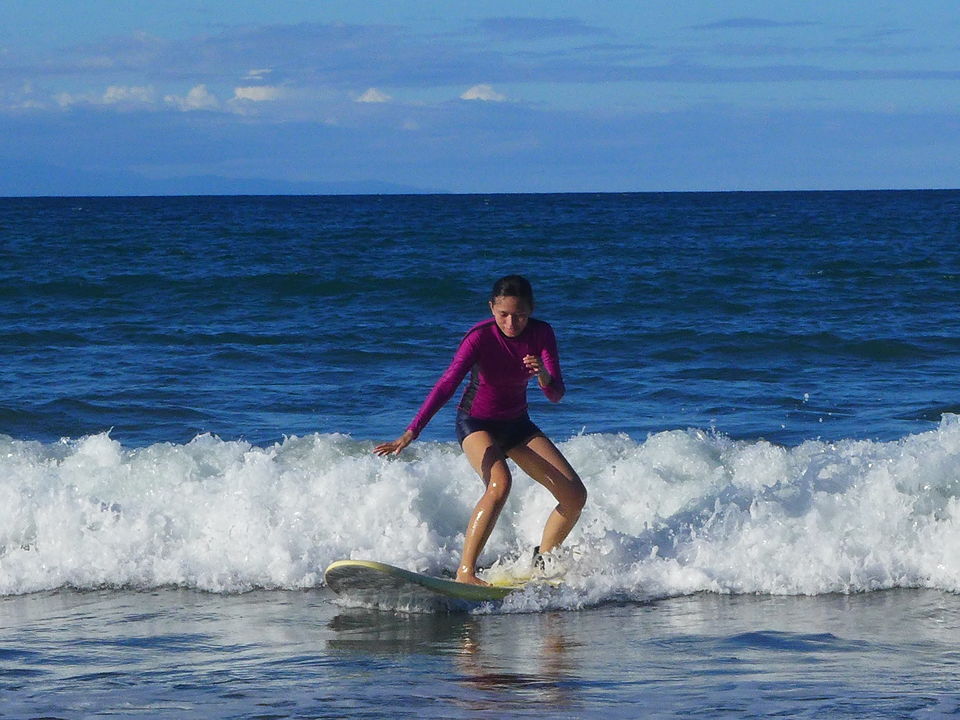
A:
[498,378]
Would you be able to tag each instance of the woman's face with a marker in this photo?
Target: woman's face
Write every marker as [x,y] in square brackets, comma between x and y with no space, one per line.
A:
[511,314]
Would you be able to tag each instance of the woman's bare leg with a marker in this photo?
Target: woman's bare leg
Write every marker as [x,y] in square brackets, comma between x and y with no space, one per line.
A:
[544,462]
[487,459]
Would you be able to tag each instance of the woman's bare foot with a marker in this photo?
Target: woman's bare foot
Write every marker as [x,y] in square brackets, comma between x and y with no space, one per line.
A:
[469,577]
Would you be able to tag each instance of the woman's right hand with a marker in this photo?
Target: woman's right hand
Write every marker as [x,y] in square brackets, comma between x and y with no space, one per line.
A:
[394,447]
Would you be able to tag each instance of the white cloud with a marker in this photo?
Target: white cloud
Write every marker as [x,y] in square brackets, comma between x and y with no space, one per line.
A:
[374,96]
[23,99]
[257,74]
[128,95]
[65,99]
[483,92]
[199,98]
[29,105]
[259,93]
[119,95]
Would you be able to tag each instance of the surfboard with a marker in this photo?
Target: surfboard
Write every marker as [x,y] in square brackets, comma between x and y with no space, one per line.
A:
[378,585]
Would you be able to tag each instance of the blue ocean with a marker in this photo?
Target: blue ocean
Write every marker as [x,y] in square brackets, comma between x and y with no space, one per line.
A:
[762,400]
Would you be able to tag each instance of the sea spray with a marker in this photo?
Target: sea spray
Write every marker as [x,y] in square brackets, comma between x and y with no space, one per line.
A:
[674,513]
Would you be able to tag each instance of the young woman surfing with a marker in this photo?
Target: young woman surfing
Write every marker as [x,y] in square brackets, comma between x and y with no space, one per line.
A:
[502,355]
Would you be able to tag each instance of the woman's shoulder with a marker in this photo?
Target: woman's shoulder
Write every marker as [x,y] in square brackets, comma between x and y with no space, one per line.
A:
[483,325]
[475,333]
[541,326]
[542,334]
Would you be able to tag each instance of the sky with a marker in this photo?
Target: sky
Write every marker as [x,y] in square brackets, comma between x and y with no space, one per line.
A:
[116,97]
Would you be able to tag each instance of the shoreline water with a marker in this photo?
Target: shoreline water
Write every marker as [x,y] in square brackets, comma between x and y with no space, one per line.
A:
[183,654]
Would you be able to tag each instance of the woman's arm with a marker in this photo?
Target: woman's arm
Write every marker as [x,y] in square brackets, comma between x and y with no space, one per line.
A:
[550,378]
[442,391]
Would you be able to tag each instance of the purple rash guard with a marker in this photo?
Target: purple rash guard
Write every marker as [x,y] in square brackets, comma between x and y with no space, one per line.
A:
[498,378]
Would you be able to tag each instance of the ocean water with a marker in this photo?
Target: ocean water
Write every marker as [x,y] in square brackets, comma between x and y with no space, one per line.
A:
[762,401]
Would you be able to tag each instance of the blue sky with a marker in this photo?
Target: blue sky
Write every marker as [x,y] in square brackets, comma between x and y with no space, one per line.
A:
[118,97]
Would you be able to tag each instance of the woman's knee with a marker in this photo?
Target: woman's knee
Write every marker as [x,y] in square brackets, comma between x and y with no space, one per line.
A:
[574,497]
[499,483]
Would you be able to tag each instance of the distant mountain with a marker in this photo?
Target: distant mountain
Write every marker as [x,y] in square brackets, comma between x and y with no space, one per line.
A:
[39,179]
[214,185]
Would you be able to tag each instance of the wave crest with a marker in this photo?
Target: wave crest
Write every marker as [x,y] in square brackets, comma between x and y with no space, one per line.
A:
[675,513]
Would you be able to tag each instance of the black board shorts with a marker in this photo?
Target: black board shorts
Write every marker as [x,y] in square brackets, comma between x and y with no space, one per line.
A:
[506,433]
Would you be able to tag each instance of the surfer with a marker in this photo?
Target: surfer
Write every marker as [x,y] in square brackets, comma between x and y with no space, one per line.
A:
[502,354]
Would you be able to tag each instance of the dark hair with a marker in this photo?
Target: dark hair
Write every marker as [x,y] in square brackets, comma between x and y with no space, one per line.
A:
[513,286]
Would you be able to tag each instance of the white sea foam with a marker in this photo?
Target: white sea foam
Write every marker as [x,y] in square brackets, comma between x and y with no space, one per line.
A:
[676,513]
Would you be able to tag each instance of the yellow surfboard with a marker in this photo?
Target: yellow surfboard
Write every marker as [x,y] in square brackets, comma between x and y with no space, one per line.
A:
[376,584]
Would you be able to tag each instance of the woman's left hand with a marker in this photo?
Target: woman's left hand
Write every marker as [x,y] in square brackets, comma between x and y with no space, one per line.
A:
[394,447]
[535,367]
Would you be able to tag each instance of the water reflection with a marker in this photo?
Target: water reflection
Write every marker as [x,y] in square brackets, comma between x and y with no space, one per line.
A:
[503,663]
